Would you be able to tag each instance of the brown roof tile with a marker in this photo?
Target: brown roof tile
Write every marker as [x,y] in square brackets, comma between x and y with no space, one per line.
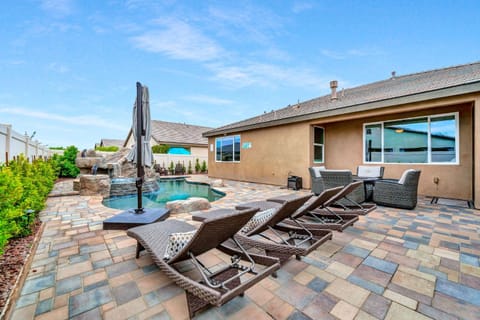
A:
[178,133]
[395,87]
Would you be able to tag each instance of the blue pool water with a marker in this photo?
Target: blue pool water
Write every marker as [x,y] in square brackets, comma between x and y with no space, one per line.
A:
[169,190]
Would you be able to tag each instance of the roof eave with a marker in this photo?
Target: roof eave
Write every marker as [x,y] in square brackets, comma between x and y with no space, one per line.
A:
[418,97]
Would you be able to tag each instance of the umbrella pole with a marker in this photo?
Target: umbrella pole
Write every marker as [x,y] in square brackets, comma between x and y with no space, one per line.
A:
[140,171]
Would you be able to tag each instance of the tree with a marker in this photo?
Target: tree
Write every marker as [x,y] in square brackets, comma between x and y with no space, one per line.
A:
[197,166]
[66,163]
[160,148]
[204,166]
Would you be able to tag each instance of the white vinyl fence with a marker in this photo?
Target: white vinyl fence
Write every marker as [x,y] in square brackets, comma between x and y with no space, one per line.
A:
[13,144]
[165,159]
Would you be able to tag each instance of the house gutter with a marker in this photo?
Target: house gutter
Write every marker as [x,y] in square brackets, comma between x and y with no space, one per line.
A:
[379,104]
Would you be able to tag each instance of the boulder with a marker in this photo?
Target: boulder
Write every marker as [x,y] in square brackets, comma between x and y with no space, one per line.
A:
[189,205]
[95,185]
[217,183]
[76,184]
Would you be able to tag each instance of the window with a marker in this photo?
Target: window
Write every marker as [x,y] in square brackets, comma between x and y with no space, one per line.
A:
[318,142]
[432,139]
[228,149]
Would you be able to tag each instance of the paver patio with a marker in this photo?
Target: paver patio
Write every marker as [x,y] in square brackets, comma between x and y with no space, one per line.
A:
[392,264]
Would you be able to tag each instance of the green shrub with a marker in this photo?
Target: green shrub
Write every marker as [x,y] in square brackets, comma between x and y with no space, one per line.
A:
[160,148]
[66,163]
[107,149]
[56,148]
[189,167]
[204,166]
[197,165]
[24,188]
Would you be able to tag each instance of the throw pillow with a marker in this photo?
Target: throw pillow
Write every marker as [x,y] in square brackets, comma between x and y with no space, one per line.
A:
[258,219]
[176,242]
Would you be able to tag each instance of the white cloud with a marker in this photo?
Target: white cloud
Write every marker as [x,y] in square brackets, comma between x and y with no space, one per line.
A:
[300,6]
[59,8]
[355,52]
[265,75]
[58,67]
[178,40]
[208,100]
[82,120]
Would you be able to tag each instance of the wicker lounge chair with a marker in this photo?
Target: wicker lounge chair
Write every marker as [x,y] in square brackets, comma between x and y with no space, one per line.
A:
[324,217]
[340,203]
[400,193]
[203,286]
[274,239]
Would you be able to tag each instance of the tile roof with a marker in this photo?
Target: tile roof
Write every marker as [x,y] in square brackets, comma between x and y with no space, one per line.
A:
[178,133]
[382,91]
[112,142]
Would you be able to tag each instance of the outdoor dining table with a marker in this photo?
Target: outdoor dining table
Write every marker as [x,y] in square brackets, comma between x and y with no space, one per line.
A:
[368,185]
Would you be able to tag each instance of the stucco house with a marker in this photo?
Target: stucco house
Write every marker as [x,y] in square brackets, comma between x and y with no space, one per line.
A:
[428,121]
[176,135]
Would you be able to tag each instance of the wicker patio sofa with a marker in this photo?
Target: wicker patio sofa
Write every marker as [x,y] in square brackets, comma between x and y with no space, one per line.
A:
[316,179]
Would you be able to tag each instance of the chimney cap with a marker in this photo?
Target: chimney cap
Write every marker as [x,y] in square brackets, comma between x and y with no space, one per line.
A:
[394,73]
[333,84]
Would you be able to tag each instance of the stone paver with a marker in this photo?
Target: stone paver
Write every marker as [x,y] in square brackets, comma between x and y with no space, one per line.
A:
[392,264]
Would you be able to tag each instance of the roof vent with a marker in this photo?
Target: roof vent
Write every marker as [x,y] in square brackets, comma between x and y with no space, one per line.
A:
[333,86]
[394,73]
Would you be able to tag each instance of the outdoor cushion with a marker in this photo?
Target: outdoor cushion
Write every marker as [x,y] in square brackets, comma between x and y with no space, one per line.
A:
[258,219]
[369,171]
[176,242]
[404,176]
[316,171]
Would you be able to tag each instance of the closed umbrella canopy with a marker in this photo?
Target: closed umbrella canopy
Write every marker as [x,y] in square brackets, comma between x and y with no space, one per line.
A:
[147,155]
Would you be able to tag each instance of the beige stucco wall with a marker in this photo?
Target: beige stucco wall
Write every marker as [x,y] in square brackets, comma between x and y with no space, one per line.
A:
[199,151]
[274,153]
[285,149]
[344,150]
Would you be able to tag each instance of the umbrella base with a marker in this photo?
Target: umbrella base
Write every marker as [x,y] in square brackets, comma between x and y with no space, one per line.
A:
[129,218]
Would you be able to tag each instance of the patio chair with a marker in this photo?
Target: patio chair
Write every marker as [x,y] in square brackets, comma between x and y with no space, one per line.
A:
[179,169]
[400,193]
[316,179]
[336,178]
[204,287]
[265,233]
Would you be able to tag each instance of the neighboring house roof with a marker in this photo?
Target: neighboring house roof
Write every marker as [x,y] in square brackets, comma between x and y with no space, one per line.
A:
[396,90]
[112,142]
[173,133]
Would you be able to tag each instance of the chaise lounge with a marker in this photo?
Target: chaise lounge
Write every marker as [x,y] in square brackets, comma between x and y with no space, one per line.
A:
[204,286]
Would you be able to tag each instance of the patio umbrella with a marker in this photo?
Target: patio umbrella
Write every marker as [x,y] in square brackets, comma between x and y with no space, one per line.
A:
[141,153]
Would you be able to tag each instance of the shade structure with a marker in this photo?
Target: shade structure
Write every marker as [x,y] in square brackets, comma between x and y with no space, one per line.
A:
[146,130]
[141,155]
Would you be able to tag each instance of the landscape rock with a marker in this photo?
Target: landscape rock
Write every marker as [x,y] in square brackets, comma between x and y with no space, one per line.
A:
[217,183]
[95,185]
[189,205]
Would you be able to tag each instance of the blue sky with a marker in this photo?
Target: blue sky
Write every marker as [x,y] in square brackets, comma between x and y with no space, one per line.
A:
[68,68]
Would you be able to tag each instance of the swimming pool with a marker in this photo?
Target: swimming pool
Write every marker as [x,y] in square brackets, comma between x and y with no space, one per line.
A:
[168,190]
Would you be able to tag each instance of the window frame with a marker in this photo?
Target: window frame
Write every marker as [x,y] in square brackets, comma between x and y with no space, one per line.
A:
[233,148]
[429,140]
[318,144]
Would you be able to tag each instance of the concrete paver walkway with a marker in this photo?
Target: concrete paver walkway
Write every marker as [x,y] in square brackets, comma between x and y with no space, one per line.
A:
[392,264]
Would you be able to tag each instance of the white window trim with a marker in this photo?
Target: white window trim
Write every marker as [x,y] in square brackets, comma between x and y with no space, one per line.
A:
[233,147]
[319,144]
[429,155]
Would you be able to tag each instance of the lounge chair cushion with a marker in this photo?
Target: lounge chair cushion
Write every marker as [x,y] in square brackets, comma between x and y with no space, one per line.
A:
[404,176]
[258,219]
[369,171]
[176,242]
[317,170]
